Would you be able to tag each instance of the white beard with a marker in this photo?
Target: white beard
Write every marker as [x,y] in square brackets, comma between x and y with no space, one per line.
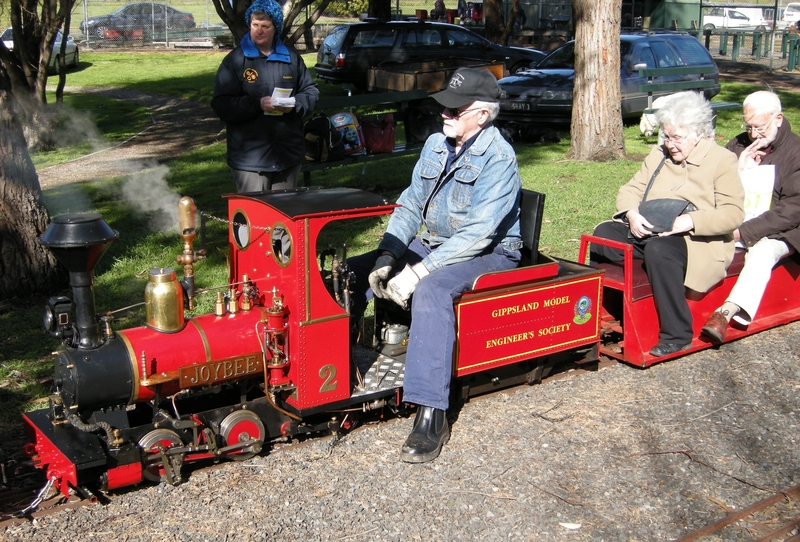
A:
[449,131]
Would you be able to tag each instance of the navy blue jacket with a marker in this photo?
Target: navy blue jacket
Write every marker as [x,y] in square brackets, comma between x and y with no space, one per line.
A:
[259,142]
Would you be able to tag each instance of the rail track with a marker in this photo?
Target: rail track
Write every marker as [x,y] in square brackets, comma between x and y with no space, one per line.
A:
[19,496]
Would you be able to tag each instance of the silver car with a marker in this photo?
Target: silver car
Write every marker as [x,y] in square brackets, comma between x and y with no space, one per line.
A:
[71,56]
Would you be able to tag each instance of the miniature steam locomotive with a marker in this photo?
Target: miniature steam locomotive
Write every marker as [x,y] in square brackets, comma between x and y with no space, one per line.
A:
[277,358]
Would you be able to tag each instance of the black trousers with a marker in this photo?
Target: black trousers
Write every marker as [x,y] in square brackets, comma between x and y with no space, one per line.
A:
[665,264]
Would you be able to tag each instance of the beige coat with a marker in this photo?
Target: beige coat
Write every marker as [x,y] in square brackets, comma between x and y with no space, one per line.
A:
[709,179]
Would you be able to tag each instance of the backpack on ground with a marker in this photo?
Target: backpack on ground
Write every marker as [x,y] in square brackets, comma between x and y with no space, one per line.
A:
[347,126]
[323,142]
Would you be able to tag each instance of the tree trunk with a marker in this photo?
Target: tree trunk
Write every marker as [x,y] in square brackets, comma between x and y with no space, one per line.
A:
[26,267]
[493,20]
[380,9]
[498,30]
[596,130]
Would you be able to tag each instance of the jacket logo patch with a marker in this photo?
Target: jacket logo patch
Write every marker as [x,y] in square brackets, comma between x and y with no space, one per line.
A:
[287,76]
[250,75]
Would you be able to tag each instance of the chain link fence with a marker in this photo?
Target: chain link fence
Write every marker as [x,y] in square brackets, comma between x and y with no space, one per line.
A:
[173,23]
[99,23]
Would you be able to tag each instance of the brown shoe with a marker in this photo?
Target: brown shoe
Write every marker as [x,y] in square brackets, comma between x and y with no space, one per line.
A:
[715,327]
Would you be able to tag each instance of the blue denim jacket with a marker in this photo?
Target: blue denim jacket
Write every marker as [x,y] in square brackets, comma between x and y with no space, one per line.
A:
[475,210]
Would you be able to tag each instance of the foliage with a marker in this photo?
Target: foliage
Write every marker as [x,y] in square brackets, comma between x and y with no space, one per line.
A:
[345,8]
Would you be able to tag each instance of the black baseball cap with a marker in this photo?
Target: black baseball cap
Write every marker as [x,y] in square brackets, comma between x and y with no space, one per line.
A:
[468,85]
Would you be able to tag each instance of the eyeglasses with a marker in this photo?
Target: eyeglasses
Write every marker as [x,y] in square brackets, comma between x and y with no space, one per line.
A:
[456,114]
[673,138]
[759,130]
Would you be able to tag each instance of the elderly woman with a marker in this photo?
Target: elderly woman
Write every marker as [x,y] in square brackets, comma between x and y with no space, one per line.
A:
[698,245]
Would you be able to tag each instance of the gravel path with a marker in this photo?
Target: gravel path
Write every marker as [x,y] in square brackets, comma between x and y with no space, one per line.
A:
[620,454]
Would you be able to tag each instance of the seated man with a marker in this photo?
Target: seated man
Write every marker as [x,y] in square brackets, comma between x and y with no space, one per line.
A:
[465,190]
[767,139]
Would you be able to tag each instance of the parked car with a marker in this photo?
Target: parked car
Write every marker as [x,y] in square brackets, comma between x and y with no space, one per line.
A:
[544,94]
[791,14]
[71,56]
[141,17]
[349,50]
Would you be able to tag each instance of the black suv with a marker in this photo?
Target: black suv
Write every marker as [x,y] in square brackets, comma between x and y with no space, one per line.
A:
[544,94]
[349,50]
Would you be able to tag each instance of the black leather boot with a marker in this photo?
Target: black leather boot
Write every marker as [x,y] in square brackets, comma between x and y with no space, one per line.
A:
[429,434]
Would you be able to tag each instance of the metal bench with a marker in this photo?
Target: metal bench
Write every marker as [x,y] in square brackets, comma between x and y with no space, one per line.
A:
[397,103]
[675,86]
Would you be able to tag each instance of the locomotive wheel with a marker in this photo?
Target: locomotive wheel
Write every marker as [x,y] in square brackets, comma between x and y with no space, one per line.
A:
[153,466]
[241,426]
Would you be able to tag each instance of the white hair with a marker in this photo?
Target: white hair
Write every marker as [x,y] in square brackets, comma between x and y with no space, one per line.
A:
[492,107]
[763,102]
[689,110]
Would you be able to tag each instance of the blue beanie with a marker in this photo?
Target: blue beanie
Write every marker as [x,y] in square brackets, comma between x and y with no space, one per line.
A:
[271,8]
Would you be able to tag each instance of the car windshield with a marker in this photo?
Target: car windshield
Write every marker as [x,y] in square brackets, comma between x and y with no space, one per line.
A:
[8,34]
[562,58]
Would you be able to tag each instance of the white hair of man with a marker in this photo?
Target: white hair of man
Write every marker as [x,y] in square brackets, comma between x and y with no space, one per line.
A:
[492,107]
[763,102]
[689,110]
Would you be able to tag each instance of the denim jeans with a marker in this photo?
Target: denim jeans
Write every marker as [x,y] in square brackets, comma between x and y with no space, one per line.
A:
[432,337]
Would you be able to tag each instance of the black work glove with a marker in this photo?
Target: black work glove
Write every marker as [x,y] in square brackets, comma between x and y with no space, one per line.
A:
[379,275]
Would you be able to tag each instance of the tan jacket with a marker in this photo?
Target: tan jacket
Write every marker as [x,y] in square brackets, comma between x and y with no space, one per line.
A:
[708,179]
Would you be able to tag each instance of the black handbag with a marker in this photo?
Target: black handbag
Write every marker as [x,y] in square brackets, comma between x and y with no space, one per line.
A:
[661,213]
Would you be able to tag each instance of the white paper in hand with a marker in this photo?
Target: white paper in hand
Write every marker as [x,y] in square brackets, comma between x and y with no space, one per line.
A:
[758,183]
[281,97]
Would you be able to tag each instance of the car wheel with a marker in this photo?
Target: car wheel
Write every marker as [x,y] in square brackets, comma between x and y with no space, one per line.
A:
[516,68]
[100,32]
[75,59]
[708,27]
[57,64]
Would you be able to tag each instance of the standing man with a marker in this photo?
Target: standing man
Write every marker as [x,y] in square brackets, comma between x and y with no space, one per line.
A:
[767,140]
[265,138]
[465,191]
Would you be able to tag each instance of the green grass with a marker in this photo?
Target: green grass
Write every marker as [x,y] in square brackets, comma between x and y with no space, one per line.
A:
[579,195]
[188,75]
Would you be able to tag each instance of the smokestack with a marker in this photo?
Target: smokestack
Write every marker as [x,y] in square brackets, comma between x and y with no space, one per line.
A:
[78,241]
